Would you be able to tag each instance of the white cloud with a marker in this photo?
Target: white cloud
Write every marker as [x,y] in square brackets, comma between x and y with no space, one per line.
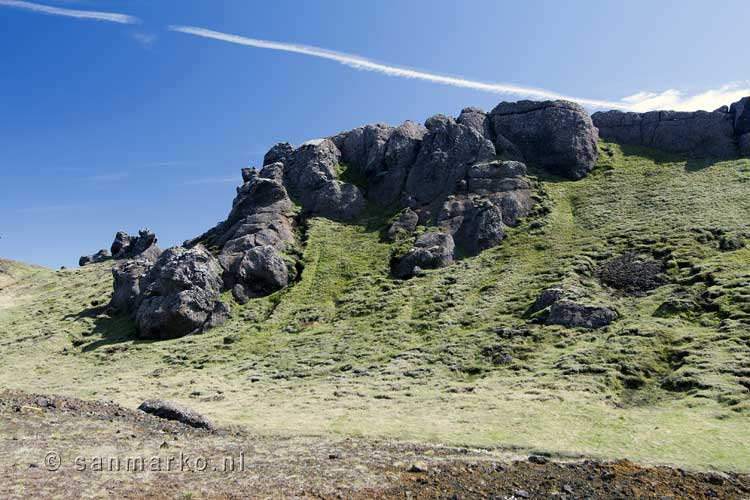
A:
[78,14]
[108,177]
[361,63]
[642,101]
[708,100]
[145,39]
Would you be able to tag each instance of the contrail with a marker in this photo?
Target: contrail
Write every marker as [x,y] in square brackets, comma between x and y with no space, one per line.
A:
[79,14]
[361,63]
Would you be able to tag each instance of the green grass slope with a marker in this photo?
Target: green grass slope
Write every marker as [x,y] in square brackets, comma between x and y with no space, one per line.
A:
[452,357]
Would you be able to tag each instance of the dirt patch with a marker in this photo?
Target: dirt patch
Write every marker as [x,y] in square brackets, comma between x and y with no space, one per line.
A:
[632,273]
[302,467]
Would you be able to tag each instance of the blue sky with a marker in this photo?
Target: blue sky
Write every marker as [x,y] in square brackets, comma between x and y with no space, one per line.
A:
[123,123]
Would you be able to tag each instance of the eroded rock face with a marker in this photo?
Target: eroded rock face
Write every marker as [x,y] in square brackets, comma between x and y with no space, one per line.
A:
[144,245]
[740,112]
[698,134]
[430,251]
[448,150]
[558,136]
[180,294]
[127,284]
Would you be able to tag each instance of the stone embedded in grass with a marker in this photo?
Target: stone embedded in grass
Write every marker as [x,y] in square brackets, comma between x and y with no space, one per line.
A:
[430,251]
[174,411]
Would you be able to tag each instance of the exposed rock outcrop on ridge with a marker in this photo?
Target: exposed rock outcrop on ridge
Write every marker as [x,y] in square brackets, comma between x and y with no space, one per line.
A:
[125,246]
[718,134]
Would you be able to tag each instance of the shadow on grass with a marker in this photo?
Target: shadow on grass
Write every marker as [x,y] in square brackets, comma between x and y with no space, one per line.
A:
[661,157]
[110,330]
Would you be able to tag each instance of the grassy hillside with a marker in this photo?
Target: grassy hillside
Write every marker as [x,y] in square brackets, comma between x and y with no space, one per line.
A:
[452,356]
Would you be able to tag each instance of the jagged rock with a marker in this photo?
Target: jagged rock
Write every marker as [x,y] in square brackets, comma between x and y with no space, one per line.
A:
[173,411]
[448,150]
[381,155]
[310,177]
[430,251]
[698,134]
[405,224]
[278,153]
[476,119]
[144,245]
[546,299]
[100,256]
[122,241]
[127,284]
[555,135]
[262,271]
[180,294]
[575,315]
[475,224]
[745,145]
[740,111]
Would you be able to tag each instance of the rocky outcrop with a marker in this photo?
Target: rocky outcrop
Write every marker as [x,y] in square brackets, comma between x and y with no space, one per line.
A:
[102,255]
[180,294]
[570,307]
[430,251]
[125,246]
[700,134]
[558,136]
[174,411]
[465,176]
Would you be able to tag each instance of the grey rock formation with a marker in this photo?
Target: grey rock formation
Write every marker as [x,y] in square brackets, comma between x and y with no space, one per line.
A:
[174,411]
[430,251]
[570,307]
[745,145]
[448,150]
[575,315]
[699,134]
[102,255]
[476,224]
[555,135]
[740,112]
[404,225]
[127,284]
[261,271]
[144,245]
[180,294]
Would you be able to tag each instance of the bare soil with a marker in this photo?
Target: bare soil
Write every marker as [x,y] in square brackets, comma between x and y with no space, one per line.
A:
[50,447]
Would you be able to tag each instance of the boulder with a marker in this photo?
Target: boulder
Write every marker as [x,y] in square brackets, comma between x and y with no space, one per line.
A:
[558,136]
[180,294]
[475,224]
[262,271]
[570,307]
[430,251]
[404,225]
[127,284]
[100,256]
[699,134]
[174,411]
[575,315]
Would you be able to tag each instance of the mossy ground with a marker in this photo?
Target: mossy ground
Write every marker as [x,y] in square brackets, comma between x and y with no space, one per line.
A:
[350,351]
